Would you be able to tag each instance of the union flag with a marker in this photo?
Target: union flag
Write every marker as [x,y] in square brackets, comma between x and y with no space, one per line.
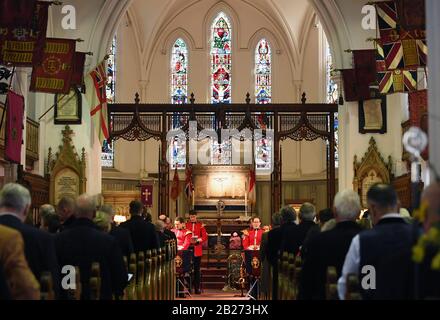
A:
[393,81]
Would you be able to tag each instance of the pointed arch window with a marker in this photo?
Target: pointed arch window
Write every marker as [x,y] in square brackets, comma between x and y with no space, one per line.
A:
[221,59]
[263,72]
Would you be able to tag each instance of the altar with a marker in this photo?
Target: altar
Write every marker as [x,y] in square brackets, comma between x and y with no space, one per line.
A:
[221,182]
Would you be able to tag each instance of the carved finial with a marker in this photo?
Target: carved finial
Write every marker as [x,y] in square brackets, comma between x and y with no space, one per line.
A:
[304,99]
[83,156]
[67,133]
[248,98]
[136,98]
[192,100]
[49,160]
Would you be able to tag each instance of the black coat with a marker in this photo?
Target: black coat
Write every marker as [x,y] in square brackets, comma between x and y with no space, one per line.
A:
[68,223]
[170,234]
[290,238]
[4,288]
[325,249]
[39,249]
[81,245]
[143,234]
[123,238]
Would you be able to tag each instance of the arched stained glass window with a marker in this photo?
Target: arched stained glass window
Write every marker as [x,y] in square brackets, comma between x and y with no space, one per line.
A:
[179,72]
[179,95]
[332,95]
[108,151]
[263,72]
[221,46]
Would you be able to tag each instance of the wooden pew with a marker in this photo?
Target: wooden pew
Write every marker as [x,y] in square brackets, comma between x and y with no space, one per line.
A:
[353,292]
[140,276]
[282,275]
[46,286]
[132,268]
[75,294]
[95,281]
[298,267]
[154,275]
[331,286]
[148,288]
[290,293]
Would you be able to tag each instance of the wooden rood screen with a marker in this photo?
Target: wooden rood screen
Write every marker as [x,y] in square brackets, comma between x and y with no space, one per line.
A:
[300,121]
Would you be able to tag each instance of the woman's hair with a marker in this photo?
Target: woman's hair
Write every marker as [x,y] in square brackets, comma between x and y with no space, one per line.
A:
[103,221]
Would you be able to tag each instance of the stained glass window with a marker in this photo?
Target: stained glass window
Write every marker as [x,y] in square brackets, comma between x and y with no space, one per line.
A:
[263,73]
[221,153]
[179,95]
[221,43]
[332,96]
[179,72]
[108,151]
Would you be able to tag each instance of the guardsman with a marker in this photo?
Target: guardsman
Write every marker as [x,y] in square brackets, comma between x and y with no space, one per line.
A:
[183,236]
[252,237]
[199,237]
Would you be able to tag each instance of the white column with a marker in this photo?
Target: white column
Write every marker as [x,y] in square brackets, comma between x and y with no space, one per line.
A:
[433,29]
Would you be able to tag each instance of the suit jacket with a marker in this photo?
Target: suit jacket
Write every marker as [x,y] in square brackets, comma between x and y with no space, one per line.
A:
[123,238]
[290,238]
[68,223]
[16,279]
[325,249]
[83,244]
[39,249]
[170,234]
[143,234]
[162,238]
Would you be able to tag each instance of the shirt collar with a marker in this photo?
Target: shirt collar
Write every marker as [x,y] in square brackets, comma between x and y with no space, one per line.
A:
[10,214]
[391,215]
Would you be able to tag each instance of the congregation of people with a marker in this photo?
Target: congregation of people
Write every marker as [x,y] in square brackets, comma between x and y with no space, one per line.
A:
[403,250]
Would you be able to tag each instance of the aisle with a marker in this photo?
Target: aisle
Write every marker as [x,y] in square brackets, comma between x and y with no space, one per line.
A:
[211,294]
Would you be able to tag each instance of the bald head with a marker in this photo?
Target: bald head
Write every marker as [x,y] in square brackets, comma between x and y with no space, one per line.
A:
[431,196]
[85,206]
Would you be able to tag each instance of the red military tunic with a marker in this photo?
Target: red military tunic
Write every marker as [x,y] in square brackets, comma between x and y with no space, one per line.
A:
[183,238]
[252,238]
[199,231]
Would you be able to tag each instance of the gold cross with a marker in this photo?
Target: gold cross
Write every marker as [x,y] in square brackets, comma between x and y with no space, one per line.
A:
[147,194]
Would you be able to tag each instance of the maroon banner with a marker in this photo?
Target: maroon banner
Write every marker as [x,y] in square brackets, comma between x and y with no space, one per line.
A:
[147,195]
[14,127]
[418,113]
[54,74]
[365,66]
[79,59]
[16,13]
[354,91]
[22,46]
[411,14]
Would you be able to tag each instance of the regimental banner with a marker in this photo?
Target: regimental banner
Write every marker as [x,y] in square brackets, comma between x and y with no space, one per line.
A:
[418,113]
[78,69]
[14,127]
[397,81]
[422,50]
[23,46]
[54,74]
[365,66]
[17,13]
[147,195]
[393,53]
[380,57]
[412,14]
[353,90]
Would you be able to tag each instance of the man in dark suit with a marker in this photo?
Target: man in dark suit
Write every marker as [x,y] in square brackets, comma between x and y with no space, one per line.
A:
[279,240]
[168,226]
[15,201]
[307,213]
[83,244]
[121,235]
[381,256]
[66,211]
[329,248]
[143,234]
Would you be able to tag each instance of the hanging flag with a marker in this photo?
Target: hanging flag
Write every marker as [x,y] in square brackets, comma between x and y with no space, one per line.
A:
[422,50]
[5,74]
[397,81]
[14,127]
[54,74]
[252,182]
[17,12]
[175,188]
[23,46]
[387,21]
[79,59]
[354,91]
[147,195]
[189,187]
[418,113]
[96,84]
[365,66]
[412,15]
[393,53]
[380,57]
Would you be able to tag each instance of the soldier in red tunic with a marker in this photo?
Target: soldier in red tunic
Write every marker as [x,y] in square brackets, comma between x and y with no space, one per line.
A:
[199,237]
[183,236]
[252,237]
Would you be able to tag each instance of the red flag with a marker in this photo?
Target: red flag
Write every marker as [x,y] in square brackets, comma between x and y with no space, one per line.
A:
[55,72]
[14,127]
[175,188]
[418,113]
[17,13]
[147,195]
[78,69]
[23,46]
[353,90]
[412,15]
[189,187]
[365,66]
[252,181]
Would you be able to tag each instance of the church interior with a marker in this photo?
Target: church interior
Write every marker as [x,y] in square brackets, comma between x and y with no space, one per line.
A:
[219,150]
